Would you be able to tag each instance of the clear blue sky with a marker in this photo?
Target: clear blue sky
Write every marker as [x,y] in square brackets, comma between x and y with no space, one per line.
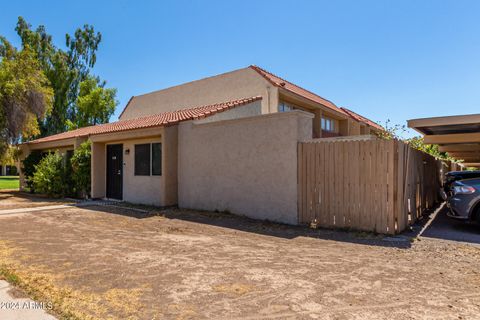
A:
[384,59]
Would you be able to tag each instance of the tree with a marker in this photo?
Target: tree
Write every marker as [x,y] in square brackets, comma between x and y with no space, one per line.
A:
[391,131]
[25,94]
[9,156]
[396,131]
[95,103]
[431,149]
[66,70]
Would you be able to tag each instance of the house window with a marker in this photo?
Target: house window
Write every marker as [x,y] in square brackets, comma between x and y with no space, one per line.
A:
[148,159]
[142,159]
[156,159]
[285,106]
[328,124]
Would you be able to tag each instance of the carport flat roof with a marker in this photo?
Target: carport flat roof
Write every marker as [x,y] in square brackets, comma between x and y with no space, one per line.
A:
[459,136]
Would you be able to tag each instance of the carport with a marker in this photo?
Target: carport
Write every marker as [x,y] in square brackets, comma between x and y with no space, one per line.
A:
[459,136]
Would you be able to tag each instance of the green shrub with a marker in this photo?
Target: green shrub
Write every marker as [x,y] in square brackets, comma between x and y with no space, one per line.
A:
[81,168]
[49,176]
[68,184]
[28,167]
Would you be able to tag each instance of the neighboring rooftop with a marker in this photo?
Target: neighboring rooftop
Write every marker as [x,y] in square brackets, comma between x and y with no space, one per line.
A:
[287,85]
[361,118]
[459,136]
[157,120]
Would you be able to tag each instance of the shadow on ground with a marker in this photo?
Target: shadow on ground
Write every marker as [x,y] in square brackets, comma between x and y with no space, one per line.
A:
[244,224]
[434,225]
[445,228]
[15,194]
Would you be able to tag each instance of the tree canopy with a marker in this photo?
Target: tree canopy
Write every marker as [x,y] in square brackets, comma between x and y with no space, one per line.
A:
[67,70]
[95,104]
[45,89]
[25,94]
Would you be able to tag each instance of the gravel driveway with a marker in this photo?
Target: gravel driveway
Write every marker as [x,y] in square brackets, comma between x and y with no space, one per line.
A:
[108,262]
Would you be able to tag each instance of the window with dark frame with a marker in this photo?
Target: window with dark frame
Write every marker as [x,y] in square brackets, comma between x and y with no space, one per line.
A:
[142,159]
[328,124]
[156,159]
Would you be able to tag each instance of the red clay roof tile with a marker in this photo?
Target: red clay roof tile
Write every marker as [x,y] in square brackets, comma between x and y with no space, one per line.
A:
[157,120]
[279,82]
[360,118]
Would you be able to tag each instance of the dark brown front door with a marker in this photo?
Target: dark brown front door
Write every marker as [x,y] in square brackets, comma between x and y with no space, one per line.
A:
[115,171]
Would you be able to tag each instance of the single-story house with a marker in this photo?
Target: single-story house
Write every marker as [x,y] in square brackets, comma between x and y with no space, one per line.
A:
[227,143]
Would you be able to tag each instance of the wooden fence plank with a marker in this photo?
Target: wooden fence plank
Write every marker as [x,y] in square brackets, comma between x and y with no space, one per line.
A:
[356,185]
[318,181]
[300,189]
[399,210]
[348,179]
[367,185]
[331,184]
[323,208]
[305,183]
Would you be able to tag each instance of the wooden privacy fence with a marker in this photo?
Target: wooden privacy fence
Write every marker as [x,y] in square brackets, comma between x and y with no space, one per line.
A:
[372,185]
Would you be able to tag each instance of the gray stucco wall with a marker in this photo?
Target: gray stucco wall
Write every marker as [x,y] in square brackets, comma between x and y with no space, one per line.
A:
[246,166]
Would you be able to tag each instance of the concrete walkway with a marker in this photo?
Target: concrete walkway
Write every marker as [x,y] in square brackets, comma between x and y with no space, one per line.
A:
[26,210]
[20,309]
[58,206]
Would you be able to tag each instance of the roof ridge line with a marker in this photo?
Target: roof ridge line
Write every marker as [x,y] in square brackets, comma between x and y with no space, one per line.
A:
[234,102]
[366,120]
[285,80]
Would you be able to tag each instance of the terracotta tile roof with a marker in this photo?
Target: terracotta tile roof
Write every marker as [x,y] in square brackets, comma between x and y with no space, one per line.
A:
[360,118]
[157,120]
[282,83]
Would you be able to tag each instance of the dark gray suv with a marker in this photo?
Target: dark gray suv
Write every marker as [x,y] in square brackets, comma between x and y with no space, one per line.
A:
[464,202]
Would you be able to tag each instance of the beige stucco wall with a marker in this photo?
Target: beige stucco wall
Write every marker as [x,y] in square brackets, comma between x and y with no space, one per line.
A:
[140,189]
[354,128]
[237,84]
[149,190]
[244,111]
[98,170]
[169,166]
[246,166]
[365,130]
[136,189]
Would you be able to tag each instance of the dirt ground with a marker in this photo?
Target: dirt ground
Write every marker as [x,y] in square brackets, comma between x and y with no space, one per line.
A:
[106,262]
[15,200]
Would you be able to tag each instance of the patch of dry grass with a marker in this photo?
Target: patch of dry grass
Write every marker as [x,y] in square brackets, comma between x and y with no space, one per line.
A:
[68,303]
[233,288]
